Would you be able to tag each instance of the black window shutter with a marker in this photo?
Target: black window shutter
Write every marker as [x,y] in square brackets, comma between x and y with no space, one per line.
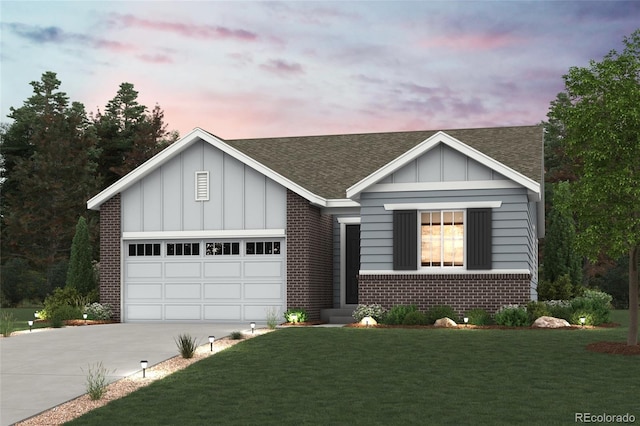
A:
[405,240]
[479,239]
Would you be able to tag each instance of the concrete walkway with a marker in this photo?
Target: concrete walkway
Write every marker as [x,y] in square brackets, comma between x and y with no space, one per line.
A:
[44,368]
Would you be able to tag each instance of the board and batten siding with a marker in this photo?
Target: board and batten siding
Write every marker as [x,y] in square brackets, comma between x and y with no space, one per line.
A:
[513,239]
[239,197]
[442,164]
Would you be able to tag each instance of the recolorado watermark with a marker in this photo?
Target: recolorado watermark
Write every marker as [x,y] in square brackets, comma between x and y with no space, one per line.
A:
[604,418]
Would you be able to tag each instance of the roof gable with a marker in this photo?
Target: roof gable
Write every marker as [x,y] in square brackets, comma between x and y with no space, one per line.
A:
[427,145]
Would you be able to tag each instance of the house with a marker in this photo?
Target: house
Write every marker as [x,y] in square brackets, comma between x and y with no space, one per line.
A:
[215,230]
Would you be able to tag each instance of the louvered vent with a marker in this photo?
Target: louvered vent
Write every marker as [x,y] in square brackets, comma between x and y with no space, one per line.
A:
[202,186]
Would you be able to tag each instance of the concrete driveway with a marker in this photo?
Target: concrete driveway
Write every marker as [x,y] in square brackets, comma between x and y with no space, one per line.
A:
[44,368]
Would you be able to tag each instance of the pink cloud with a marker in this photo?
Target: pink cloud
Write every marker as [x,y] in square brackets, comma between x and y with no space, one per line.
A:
[156,59]
[468,42]
[281,67]
[187,30]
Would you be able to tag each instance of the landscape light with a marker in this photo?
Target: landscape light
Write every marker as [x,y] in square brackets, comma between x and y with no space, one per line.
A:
[36,314]
[85,318]
[583,320]
[253,326]
[466,321]
[211,340]
[143,365]
[30,325]
[293,318]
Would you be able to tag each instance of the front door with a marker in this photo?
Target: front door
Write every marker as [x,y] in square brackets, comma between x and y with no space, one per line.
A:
[352,267]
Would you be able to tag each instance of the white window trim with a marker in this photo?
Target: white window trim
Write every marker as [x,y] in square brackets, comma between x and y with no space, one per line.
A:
[443,269]
[444,206]
[202,186]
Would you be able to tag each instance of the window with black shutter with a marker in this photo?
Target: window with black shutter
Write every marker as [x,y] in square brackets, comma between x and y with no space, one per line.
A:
[479,239]
[405,240]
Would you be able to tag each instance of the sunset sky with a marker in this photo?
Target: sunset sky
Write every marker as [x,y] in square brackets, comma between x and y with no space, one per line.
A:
[260,69]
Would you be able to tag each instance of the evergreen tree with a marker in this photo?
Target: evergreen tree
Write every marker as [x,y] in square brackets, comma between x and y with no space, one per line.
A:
[561,256]
[80,274]
[50,150]
[128,134]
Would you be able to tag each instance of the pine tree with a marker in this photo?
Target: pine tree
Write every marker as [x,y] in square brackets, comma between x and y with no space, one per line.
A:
[80,274]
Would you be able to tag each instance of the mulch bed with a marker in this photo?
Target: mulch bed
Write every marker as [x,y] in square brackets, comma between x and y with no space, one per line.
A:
[617,348]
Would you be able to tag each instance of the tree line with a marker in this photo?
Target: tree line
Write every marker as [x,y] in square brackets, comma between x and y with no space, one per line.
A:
[55,156]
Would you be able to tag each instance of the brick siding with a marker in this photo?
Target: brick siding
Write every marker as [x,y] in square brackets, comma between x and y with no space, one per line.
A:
[309,257]
[110,288]
[462,292]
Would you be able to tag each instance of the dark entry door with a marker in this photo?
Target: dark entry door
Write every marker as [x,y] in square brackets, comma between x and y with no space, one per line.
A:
[352,257]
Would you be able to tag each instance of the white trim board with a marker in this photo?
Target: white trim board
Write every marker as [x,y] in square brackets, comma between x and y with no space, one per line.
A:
[176,235]
[446,271]
[444,206]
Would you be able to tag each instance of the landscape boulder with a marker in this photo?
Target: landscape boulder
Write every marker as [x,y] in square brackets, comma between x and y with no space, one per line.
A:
[550,322]
[445,322]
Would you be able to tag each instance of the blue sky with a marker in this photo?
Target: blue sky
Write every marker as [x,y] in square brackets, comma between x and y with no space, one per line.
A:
[260,69]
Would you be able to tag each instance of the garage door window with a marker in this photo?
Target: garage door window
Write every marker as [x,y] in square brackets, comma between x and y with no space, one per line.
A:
[183,249]
[144,249]
[223,249]
[263,247]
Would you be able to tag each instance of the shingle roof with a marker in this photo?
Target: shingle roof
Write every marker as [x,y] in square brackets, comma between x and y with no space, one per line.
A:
[328,165]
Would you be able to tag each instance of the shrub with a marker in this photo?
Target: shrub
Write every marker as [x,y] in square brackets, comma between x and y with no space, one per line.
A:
[537,310]
[272,318]
[236,335]
[374,311]
[594,305]
[397,313]
[562,288]
[7,322]
[60,297]
[441,311]
[479,316]
[415,318]
[186,345]
[295,315]
[512,316]
[97,311]
[58,314]
[96,381]
[559,309]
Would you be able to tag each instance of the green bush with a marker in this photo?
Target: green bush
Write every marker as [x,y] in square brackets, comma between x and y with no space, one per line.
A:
[512,316]
[97,311]
[537,310]
[560,289]
[374,311]
[594,305]
[272,318]
[397,313]
[441,311]
[7,322]
[187,345]
[479,316]
[58,314]
[559,309]
[295,315]
[415,318]
[236,335]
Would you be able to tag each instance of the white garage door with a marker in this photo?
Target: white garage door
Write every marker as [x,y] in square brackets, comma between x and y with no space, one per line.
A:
[203,280]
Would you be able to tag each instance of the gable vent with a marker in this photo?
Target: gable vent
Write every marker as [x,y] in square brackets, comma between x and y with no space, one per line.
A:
[202,186]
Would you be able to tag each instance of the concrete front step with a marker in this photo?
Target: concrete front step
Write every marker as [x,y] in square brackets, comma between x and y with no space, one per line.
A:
[337,315]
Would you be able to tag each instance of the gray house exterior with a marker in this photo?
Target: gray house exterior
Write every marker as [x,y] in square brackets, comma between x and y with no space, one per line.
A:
[214,230]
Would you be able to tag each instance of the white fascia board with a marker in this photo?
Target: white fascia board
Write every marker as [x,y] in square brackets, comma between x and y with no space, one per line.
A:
[445,271]
[341,202]
[441,137]
[145,168]
[349,220]
[185,235]
[444,206]
[180,145]
[444,186]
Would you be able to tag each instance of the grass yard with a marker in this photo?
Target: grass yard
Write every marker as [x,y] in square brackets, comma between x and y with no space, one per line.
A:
[20,318]
[340,376]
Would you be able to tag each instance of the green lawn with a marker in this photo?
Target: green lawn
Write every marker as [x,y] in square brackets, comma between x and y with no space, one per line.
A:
[21,316]
[340,376]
